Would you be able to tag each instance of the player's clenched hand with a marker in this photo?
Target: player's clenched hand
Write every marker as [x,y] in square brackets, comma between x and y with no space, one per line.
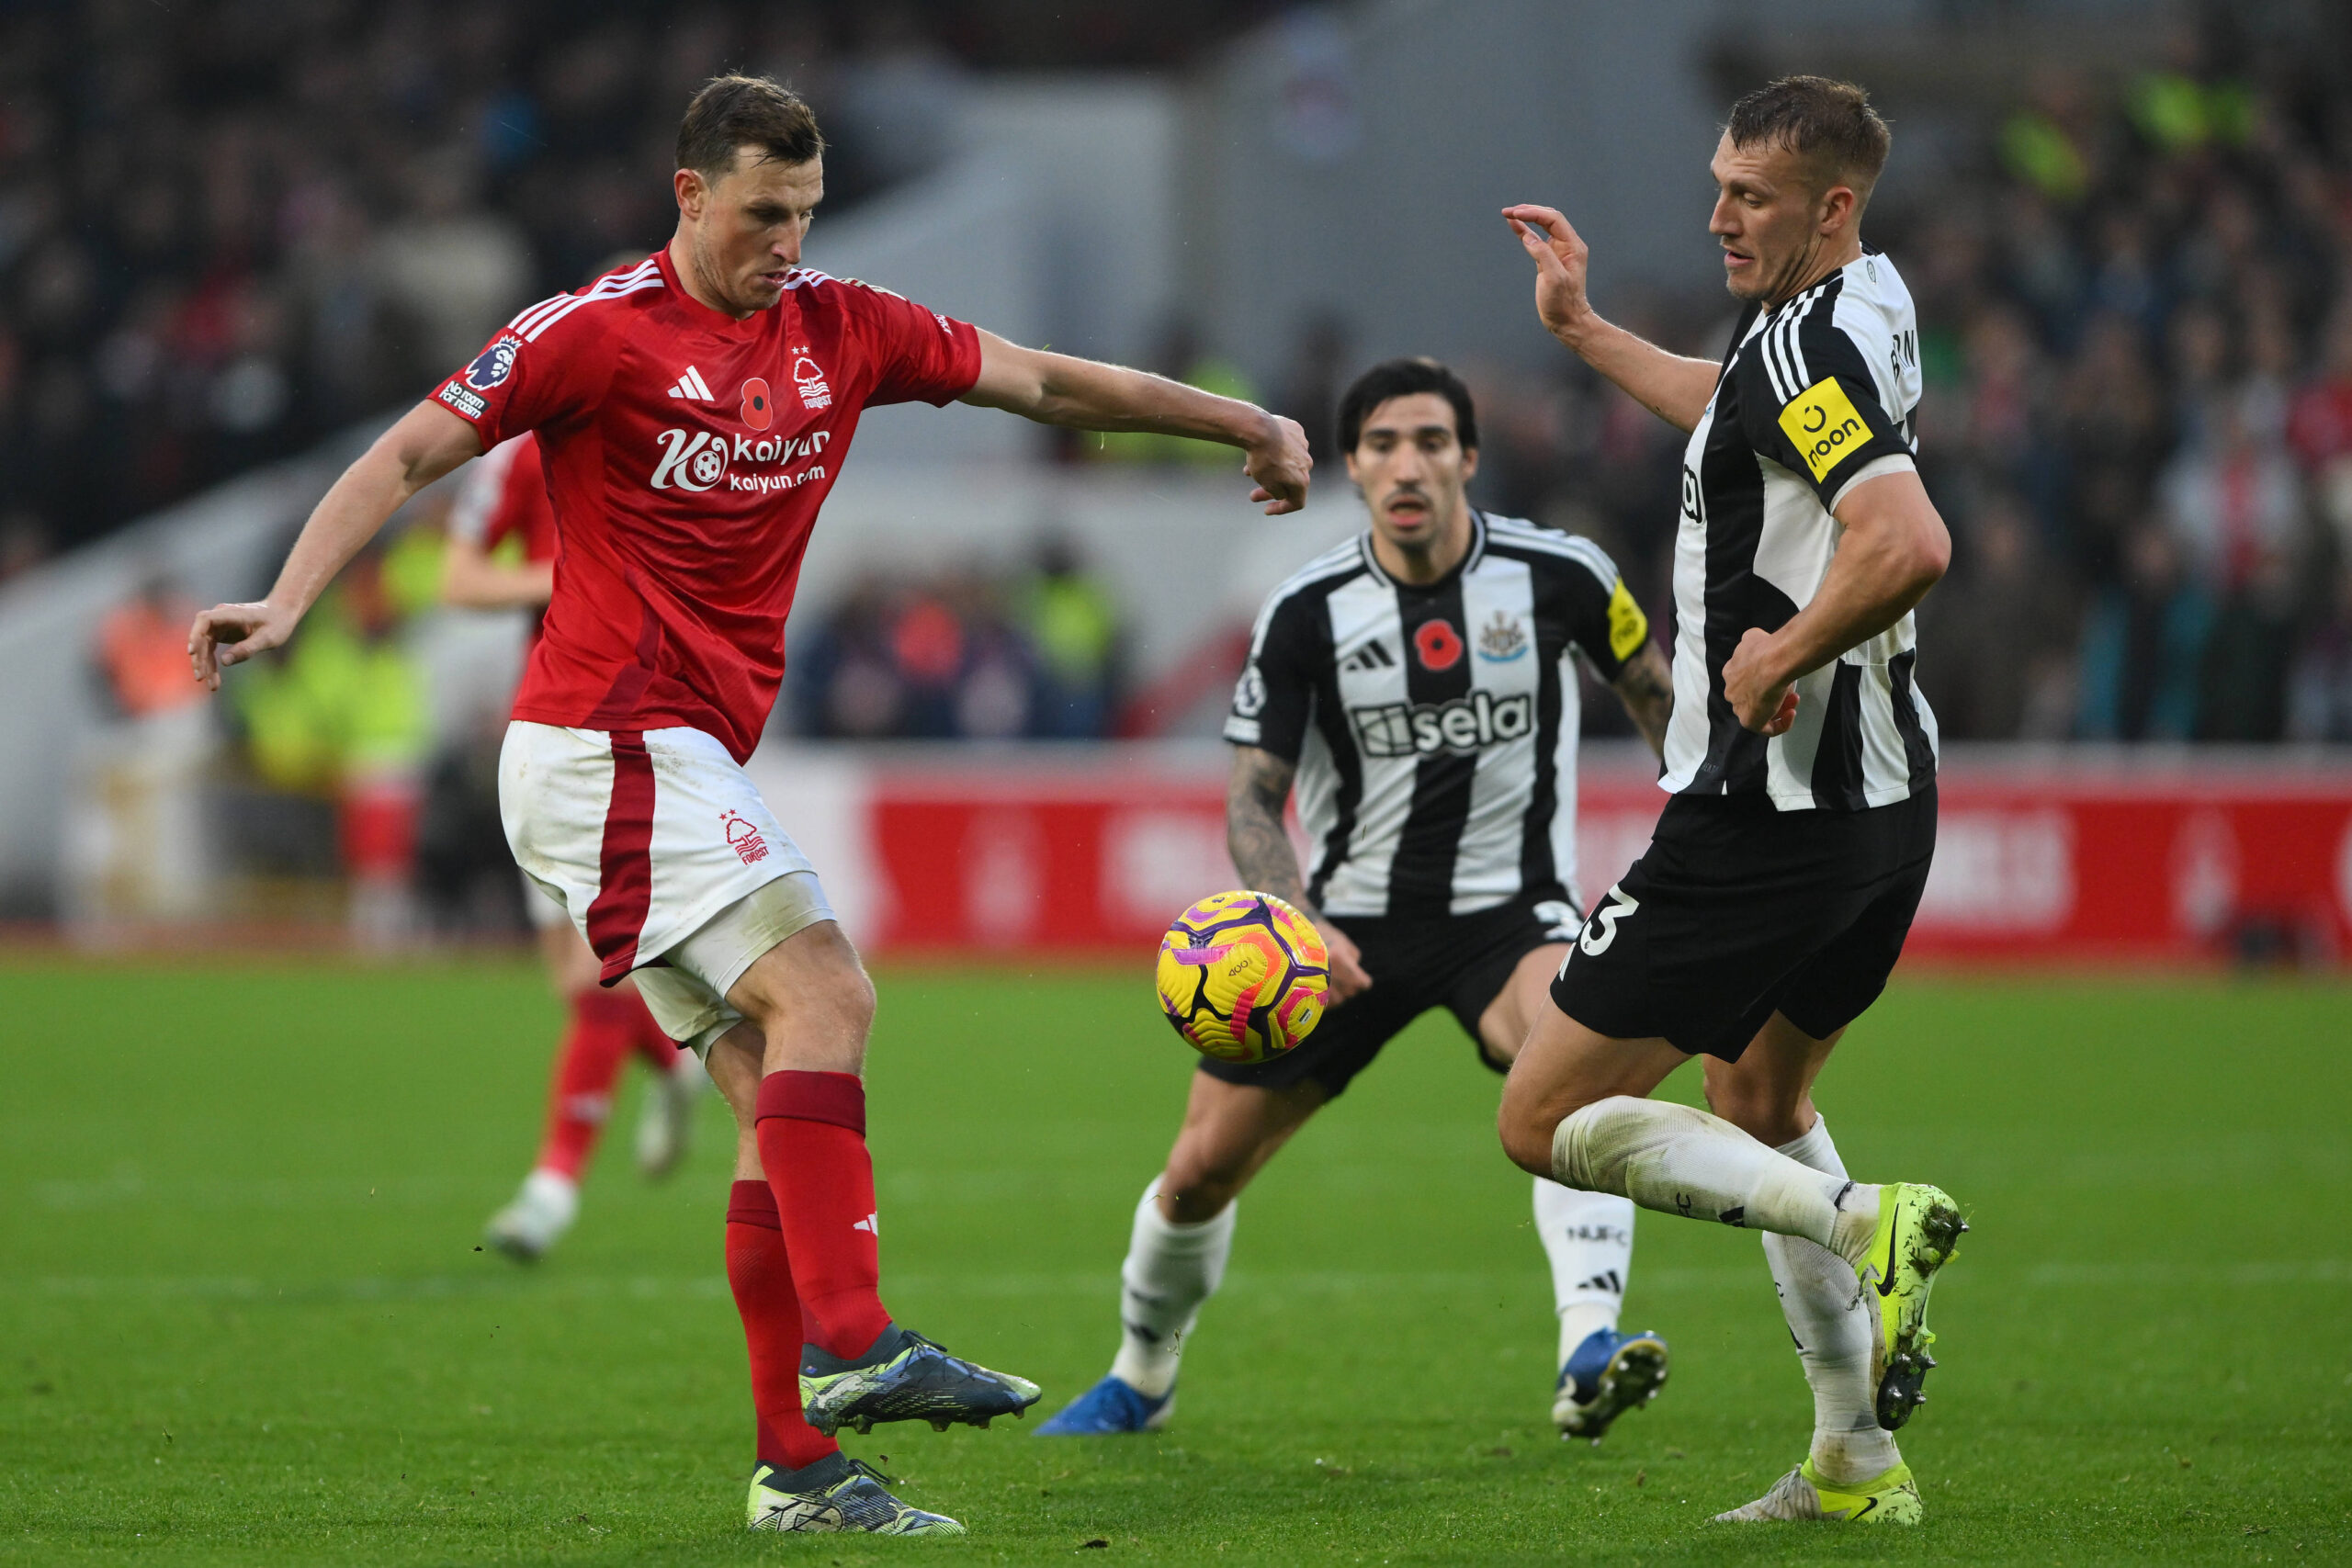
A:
[1763,702]
[1348,978]
[230,633]
[1279,462]
[1560,253]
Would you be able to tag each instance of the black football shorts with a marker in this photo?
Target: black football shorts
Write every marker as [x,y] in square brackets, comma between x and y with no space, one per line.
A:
[1738,911]
[1460,963]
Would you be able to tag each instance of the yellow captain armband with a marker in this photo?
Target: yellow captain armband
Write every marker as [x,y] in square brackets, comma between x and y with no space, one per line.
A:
[1628,627]
[1823,425]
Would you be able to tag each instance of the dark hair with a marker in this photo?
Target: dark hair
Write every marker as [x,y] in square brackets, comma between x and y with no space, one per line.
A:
[1402,378]
[1828,124]
[746,111]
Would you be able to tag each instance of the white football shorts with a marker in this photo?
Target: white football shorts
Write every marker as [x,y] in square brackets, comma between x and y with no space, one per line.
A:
[544,908]
[664,857]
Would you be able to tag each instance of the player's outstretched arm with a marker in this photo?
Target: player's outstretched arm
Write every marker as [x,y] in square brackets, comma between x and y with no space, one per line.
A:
[1254,799]
[1894,548]
[1673,387]
[1055,388]
[428,442]
[1647,688]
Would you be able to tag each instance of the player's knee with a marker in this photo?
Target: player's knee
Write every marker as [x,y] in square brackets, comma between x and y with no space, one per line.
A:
[1526,1129]
[1760,1109]
[1200,1182]
[821,982]
[1190,1201]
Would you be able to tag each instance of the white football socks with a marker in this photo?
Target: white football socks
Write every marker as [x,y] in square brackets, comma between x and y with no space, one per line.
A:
[1169,1272]
[1588,1236]
[1830,1322]
[1680,1160]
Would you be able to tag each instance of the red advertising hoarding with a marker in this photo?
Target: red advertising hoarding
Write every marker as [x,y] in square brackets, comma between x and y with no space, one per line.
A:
[2048,857]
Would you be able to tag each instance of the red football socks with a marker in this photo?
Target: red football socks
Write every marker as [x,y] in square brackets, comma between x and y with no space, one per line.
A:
[604,1029]
[760,1277]
[812,1145]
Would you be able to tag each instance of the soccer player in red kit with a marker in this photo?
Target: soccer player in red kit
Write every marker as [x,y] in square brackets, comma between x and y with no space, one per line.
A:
[501,502]
[691,413]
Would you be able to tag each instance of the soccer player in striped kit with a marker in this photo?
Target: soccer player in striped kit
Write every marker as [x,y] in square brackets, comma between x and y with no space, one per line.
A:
[692,413]
[1801,765]
[1418,686]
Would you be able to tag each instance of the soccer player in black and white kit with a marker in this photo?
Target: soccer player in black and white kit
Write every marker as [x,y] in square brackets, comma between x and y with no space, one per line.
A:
[1419,685]
[1776,893]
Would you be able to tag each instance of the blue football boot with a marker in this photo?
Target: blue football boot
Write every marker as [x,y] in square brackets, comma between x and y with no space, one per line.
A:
[1607,1375]
[904,1377]
[1109,1406]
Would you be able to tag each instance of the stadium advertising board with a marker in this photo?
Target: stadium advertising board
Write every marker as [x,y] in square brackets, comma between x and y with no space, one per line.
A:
[2052,860]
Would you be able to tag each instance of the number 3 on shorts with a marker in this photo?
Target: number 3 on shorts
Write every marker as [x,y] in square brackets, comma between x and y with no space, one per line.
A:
[1601,929]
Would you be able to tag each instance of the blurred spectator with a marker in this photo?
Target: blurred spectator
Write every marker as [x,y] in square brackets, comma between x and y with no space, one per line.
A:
[1997,636]
[2320,689]
[341,712]
[2143,647]
[143,650]
[1311,388]
[1074,627]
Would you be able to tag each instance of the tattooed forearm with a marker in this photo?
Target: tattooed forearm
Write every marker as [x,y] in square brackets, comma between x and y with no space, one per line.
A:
[1647,688]
[1254,799]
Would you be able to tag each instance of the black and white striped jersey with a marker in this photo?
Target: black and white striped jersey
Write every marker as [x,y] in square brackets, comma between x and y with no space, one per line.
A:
[1817,395]
[1435,728]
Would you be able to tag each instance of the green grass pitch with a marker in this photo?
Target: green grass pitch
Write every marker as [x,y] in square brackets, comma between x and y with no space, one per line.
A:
[242,1318]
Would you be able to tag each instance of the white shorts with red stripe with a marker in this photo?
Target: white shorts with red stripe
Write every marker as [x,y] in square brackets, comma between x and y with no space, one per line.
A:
[655,843]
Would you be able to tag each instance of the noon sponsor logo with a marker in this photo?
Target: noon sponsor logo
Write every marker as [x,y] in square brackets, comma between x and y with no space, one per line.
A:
[1823,425]
[1460,725]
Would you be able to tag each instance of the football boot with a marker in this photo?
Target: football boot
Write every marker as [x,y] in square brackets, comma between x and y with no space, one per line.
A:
[1888,1499]
[904,1377]
[1607,1375]
[1111,1405]
[1919,1232]
[835,1493]
[537,1219]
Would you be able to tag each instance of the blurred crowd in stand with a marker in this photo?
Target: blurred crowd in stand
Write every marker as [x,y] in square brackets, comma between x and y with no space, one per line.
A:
[965,654]
[2135,309]
[229,226]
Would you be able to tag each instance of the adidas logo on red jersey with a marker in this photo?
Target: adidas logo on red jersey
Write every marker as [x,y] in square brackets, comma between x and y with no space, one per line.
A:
[691,385]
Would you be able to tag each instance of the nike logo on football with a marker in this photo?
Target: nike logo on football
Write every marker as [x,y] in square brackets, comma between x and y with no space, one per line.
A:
[691,385]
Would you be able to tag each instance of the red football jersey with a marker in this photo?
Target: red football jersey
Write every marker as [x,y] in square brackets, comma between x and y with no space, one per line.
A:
[686,456]
[504,496]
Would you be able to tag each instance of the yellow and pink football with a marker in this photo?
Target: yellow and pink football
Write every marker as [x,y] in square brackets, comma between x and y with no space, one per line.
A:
[1242,977]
